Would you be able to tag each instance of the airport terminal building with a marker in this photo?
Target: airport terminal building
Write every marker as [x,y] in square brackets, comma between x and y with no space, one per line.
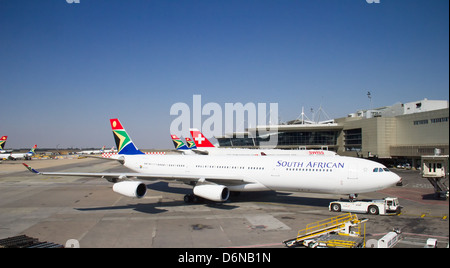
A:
[400,133]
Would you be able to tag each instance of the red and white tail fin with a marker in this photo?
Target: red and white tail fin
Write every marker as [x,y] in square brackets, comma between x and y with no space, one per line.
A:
[200,140]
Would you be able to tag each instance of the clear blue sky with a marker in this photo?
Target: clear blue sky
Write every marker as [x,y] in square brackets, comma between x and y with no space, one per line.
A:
[65,69]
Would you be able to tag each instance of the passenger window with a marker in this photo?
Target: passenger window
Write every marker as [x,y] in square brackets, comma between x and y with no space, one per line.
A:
[375,170]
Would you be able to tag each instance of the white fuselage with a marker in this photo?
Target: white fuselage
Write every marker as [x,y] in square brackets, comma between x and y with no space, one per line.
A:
[325,174]
[15,156]
[253,152]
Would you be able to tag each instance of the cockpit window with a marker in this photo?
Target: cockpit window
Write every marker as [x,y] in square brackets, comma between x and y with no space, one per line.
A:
[380,169]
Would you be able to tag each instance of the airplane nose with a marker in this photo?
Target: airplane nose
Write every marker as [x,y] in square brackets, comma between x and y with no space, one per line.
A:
[395,180]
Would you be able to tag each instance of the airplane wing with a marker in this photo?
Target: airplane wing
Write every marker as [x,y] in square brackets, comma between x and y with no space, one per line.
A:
[116,176]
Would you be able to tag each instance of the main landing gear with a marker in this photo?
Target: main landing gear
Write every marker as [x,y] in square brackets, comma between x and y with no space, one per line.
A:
[192,198]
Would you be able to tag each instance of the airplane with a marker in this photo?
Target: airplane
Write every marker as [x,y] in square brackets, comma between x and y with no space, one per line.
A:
[15,156]
[178,143]
[206,147]
[112,150]
[93,151]
[213,177]
[2,145]
[190,143]
[180,146]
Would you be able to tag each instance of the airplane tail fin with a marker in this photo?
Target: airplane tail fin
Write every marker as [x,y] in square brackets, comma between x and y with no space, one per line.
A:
[200,140]
[178,143]
[123,141]
[190,143]
[3,142]
[32,149]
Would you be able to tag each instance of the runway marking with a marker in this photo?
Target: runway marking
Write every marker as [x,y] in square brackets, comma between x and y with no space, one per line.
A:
[117,201]
[424,215]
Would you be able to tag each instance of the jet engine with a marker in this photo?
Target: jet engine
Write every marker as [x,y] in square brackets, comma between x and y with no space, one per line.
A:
[217,193]
[130,188]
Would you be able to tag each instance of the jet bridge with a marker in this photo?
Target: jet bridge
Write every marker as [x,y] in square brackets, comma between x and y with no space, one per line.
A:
[434,168]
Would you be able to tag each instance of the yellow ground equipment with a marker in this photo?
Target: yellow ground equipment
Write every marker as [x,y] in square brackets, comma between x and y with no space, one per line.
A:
[340,231]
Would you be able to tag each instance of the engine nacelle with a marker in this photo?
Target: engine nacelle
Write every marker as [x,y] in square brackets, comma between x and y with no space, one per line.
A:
[130,188]
[217,193]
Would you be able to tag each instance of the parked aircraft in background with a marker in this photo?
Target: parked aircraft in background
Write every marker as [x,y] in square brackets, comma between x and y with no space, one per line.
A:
[190,143]
[102,150]
[178,143]
[206,147]
[112,150]
[2,145]
[15,156]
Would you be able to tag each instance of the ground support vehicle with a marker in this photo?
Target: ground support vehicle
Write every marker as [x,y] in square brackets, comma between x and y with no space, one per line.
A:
[386,206]
[332,232]
[389,240]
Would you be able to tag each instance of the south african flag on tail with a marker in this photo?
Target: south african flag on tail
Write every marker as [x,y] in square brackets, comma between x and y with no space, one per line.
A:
[123,141]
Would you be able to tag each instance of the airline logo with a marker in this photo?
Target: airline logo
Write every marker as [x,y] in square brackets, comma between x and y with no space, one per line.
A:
[310,164]
[178,143]
[200,140]
[122,139]
[34,148]
[120,134]
[3,141]
[115,124]
[190,143]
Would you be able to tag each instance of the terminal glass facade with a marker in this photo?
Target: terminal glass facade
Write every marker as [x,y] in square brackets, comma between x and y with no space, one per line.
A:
[292,139]
[353,139]
[314,138]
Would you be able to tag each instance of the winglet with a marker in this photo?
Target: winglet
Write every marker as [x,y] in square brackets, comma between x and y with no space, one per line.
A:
[31,169]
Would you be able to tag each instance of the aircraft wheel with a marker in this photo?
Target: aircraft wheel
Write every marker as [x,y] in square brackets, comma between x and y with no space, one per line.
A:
[373,210]
[192,198]
[336,207]
[188,198]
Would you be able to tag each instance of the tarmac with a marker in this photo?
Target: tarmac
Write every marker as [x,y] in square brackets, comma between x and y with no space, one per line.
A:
[88,212]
